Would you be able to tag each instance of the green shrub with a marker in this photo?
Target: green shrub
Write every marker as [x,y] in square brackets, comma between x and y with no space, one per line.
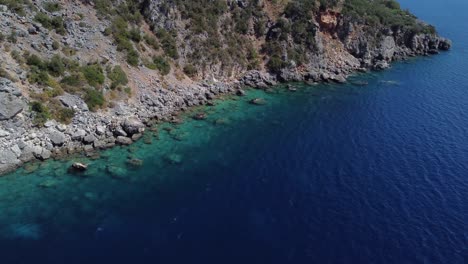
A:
[64,115]
[168,43]
[151,41]
[118,77]
[54,23]
[275,64]
[190,70]
[67,51]
[54,91]
[34,60]
[133,58]
[94,99]
[17,6]
[13,37]
[44,19]
[38,76]
[41,113]
[94,74]
[55,45]
[5,74]
[128,91]
[52,7]
[73,80]
[103,7]
[162,65]
[135,35]
[15,54]
[56,66]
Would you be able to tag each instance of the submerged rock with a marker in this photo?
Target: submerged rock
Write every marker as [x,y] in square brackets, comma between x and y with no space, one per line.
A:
[79,166]
[134,162]
[359,83]
[116,171]
[147,139]
[174,158]
[240,92]
[31,167]
[221,121]
[50,183]
[123,140]
[200,116]
[291,88]
[258,101]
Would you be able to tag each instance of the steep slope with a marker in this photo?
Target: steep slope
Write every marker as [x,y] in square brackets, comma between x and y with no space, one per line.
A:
[84,75]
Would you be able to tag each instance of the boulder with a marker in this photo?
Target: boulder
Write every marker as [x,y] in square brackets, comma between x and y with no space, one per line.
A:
[133,125]
[123,140]
[61,127]
[57,138]
[79,166]
[89,139]
[11,103]
[7,156]
[4,133]
[73,102]
[100,130]
[78,135]
[41,153]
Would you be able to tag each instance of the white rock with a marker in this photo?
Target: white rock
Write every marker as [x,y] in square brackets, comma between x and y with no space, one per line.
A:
[4,133]
[16,150]
[61,127]
[50,123]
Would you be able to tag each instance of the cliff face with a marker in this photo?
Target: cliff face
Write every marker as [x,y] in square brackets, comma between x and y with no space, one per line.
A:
[76,76]
[292,40]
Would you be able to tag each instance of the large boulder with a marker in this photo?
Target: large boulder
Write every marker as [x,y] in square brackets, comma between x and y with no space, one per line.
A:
[57,138]
[11,102]
[133,125]
[123,140]
[73,101]
[8,161]
[41,153]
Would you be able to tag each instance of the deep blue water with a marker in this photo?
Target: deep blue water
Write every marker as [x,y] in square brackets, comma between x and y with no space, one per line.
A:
[330,174]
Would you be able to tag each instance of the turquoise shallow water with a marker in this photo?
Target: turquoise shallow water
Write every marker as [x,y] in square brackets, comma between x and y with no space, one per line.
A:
[328,174]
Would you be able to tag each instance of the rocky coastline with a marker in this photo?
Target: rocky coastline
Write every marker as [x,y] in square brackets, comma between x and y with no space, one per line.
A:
[21,142]
[341,45]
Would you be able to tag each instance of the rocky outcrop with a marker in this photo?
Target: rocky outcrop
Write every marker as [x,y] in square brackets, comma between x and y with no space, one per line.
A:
[11,102]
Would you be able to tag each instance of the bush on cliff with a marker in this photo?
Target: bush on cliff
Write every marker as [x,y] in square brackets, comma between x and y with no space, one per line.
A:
[94,99]
[41,113]
[94,74]
[118,77]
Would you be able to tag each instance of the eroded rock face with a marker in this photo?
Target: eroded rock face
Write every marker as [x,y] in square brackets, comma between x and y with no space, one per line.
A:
[11,102]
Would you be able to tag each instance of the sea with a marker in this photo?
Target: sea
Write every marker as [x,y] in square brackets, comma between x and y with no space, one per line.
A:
[372,171]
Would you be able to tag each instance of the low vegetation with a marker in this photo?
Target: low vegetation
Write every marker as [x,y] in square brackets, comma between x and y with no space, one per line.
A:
[55,22]
[387,13]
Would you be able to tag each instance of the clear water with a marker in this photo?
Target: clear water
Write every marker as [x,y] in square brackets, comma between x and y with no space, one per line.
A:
[329,174]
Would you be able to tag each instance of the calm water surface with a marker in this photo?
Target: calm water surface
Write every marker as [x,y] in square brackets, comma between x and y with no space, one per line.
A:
[329,174]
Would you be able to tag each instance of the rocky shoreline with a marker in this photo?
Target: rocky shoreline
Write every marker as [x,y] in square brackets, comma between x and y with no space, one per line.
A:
[21,142]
